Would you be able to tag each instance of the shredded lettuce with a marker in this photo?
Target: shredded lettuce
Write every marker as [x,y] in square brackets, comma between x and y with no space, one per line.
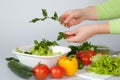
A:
[41,48]
[105,65]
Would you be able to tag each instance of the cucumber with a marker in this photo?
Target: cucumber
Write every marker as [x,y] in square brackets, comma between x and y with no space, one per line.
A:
[19,69]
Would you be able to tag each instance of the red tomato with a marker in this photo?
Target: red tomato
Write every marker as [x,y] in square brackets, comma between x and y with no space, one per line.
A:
[40,71]
[91,53]
[80,54]
[85,56]
[85,60]
[56,72]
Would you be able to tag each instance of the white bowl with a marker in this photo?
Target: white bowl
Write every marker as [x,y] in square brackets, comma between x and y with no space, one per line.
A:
[32,60]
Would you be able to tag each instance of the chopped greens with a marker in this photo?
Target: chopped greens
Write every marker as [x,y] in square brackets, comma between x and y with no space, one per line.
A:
[41,48]
[18,50]
[88,46]
[45,16]
[105,65]
[61,36]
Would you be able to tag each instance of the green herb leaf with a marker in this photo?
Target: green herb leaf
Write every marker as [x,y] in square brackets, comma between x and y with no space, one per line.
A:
[35,20]
[55,17]
[18,50]
[45,16]
[42,19]
[36,42]
[44,13]
[61,36]
[87,46]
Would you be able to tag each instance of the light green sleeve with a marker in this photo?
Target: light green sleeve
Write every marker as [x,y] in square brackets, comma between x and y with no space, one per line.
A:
[110,10]
[114,26]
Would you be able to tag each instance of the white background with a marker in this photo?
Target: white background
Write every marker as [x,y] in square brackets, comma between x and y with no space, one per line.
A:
[15,29]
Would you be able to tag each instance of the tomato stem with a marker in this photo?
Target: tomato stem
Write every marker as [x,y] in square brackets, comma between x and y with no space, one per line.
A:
[39,63]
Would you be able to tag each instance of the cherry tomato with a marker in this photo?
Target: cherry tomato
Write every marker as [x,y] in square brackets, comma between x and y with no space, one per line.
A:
[57,72]
[85,56]
[40,71]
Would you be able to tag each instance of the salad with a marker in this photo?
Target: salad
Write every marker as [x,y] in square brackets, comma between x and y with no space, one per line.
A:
[41,48]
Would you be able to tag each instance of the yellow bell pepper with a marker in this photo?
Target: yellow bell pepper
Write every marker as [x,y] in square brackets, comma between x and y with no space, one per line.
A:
[69,64]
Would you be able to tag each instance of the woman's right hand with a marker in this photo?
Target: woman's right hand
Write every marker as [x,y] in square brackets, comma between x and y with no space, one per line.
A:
[74,17]
[71,18]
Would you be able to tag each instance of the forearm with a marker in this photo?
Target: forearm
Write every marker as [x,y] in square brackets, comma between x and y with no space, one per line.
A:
[89,13]
[108,10]
[111,27]
[103,28]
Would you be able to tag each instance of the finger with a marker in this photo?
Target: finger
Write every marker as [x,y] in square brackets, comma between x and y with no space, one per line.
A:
[72,36]
[70,33]
[67,20]
[71,39]
[62,18]
[71,23]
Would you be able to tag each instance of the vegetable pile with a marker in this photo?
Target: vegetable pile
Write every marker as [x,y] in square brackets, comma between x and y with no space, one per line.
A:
[85,51]
[105,65]
[41,71]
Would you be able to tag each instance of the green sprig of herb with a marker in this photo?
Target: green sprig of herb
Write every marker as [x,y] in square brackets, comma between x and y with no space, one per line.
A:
[45,16]
[61,36]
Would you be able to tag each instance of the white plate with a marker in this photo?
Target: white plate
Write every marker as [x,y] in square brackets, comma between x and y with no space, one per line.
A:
[89,75]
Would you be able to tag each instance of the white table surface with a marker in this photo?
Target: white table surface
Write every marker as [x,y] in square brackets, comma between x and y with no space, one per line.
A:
[6,74]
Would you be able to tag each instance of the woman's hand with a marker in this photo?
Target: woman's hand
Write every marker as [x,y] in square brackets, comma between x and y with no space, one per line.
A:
[74,17]
[85,32]
[71,18]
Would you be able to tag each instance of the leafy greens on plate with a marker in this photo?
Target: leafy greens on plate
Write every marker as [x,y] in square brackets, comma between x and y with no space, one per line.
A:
[105,65]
